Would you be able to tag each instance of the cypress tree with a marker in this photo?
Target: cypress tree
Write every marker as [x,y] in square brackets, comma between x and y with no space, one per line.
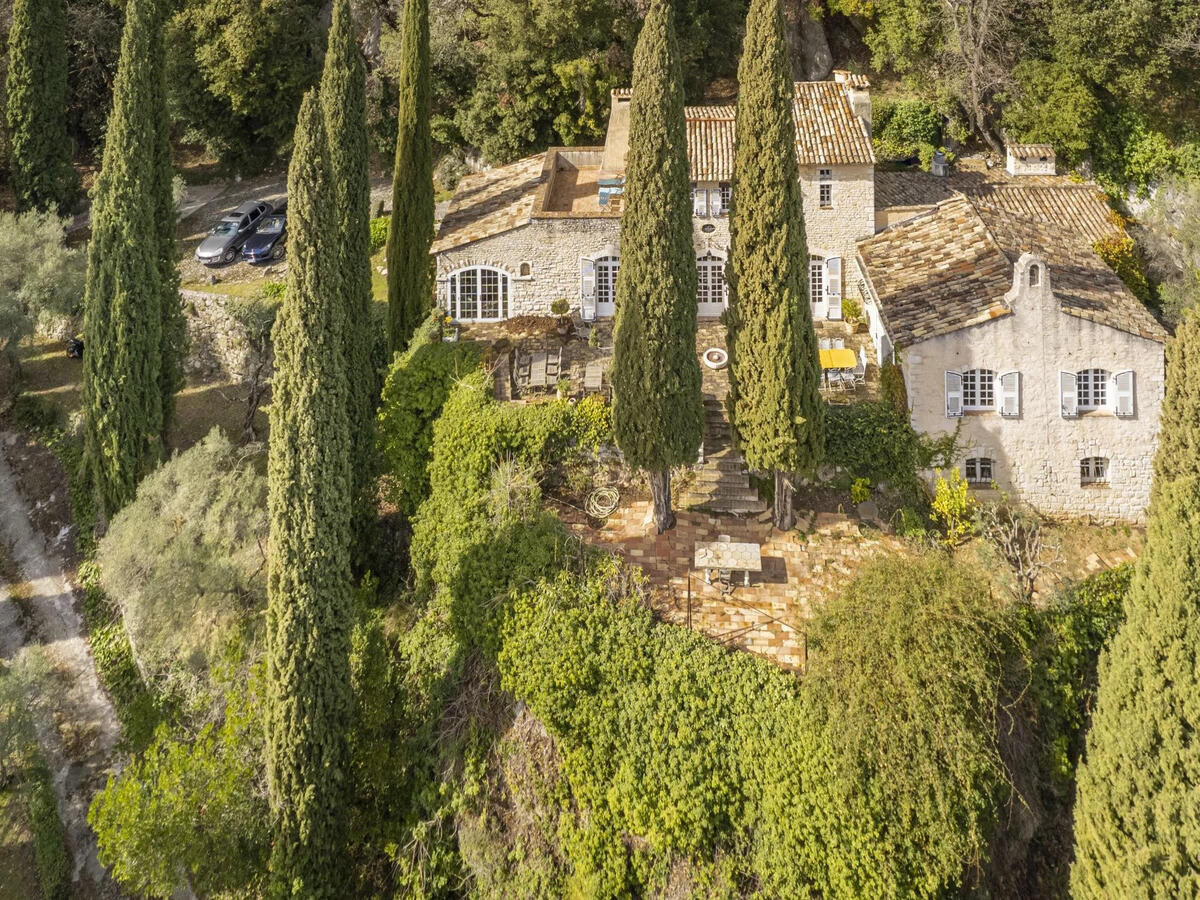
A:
[42,174]
[774,373]
[123,308]
[344,98]
[1137,812]
[308,573]
[174,326]
[658,413]
[410,233]
[1179,441]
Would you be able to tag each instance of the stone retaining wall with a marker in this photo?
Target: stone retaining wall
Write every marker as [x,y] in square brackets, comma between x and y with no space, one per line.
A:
[218,345]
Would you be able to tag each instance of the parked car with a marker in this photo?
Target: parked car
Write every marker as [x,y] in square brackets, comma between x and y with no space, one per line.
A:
[269,242]
[228,235]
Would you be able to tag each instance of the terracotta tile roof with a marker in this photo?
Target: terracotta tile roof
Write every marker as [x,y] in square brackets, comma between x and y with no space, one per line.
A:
[710,134]
[949,268]
[490,202]
[1055,199]
[1031,151]
[1083,283]
[827,130]
[935,273]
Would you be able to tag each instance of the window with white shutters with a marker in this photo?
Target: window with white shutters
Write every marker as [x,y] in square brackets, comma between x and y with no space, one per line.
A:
[978,390]
[979,470]
[1093,470]
[833,286]
[1009,388]
[1123,403]
[954,397]
[1092,389]
[587,287]
[1068,394]
[700,202]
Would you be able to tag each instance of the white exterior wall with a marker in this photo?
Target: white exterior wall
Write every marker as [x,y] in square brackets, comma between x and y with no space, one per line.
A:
[1037,454]
[834,231]
[553,245]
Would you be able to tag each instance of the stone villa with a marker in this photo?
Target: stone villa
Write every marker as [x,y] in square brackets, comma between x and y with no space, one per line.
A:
[981,283]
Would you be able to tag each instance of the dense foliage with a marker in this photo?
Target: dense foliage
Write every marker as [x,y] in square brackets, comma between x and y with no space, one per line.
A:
[1178,452]
[410,282]
[343,97]
[658,413]
[40,163]
[774,377]
[417,385]
[184,564]
[131,335]
[308,569]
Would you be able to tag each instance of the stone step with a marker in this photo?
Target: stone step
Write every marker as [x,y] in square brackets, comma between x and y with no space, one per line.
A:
[725,477]
[726,506]
[724,492]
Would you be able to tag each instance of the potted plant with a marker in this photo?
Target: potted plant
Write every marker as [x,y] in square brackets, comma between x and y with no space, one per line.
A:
[562,308]
[563,386]
[449,329]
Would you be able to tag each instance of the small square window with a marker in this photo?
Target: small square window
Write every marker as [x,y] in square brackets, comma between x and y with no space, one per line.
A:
[1093,470]
[979,470]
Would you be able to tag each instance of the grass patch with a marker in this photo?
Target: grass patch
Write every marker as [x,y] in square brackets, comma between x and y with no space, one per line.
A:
[244,289]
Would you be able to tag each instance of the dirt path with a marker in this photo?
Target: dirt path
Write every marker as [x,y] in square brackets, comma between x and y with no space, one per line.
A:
[76,723]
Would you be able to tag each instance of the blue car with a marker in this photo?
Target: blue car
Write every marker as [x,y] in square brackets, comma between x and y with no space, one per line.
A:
[269,242]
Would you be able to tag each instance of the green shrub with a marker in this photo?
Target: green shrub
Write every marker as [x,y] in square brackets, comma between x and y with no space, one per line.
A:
[869,440]
[49,841]
[413,393]
[185,562]
[902,129]
[954,508]
[892,391]
[379,232]
[1125,258]
[860,490]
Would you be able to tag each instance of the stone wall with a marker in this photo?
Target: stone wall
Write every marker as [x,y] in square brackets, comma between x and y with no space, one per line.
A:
[835,231]
[1037,454]
[218,346]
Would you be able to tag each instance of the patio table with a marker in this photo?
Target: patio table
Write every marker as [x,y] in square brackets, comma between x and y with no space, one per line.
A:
[732,555]
[838,359]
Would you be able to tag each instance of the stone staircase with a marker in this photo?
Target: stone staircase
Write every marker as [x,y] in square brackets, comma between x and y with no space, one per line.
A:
[722,482]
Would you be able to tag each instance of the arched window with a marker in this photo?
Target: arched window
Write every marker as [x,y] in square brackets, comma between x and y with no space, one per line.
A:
[1093,470]
[1092,387]
[978,389]
[1035,275]
[526,270]
[816,279]
[606,279]
[479,294]
[711,286]
[980,470]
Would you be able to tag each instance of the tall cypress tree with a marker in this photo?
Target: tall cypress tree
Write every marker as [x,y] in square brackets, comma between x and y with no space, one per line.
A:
[123,308]
[774,374]
[344,98]
[658,412]
[174,326]
[308,574]
[42,174]
[1179,441]
[410,286]
[1137,812]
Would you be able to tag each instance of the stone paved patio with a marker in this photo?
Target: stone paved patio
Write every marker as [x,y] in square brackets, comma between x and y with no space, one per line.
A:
[800,568]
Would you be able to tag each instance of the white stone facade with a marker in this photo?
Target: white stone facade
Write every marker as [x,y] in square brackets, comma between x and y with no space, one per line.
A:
[543,259]
[1037,452]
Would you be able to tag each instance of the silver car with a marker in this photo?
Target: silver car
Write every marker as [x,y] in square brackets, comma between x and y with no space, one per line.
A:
[225,240]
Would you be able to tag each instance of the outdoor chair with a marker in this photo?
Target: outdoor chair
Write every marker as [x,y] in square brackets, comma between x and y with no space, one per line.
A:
[838,344]
[860,370]
[826,344]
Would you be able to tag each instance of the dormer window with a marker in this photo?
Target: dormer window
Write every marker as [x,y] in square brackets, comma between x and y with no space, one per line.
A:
[1035,275]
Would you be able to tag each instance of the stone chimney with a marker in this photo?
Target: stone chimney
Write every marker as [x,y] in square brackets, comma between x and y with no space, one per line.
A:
[1030,159]
[858,91]
[616,142]
[940,165]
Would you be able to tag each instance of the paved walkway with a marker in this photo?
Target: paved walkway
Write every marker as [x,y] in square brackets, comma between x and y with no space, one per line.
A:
[800,568]
[76,723]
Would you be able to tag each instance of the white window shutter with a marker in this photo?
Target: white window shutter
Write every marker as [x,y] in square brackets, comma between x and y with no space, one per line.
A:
[587,288]
[833,286]
[954,408]
[700,202]
[1008,394]
[1123,399]
[714,201]
[1068,394]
